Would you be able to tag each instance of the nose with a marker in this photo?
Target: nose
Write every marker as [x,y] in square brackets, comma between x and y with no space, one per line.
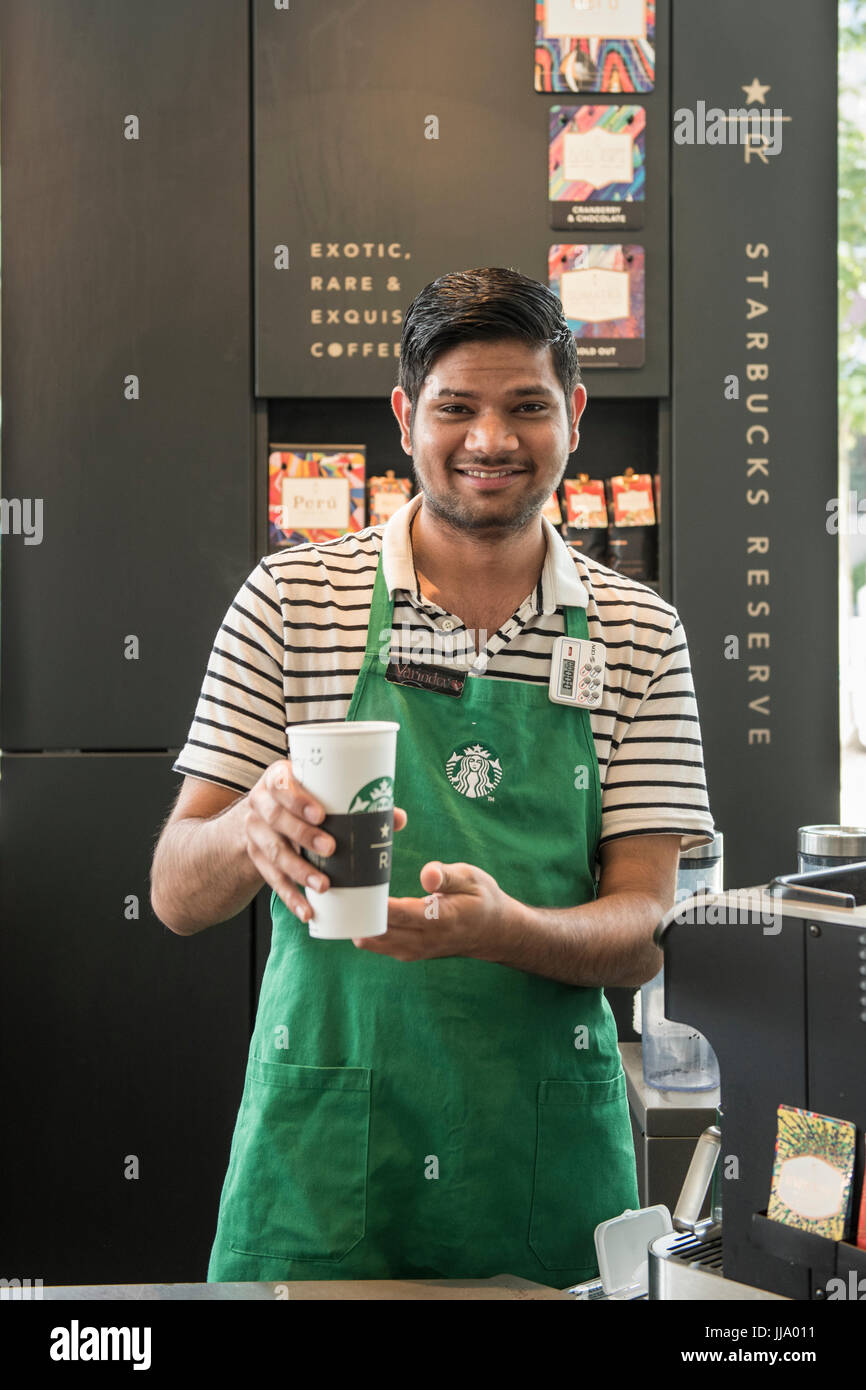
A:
[490,433]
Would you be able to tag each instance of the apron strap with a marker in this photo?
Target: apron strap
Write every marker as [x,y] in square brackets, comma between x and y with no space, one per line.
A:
[576,624]
[381,621]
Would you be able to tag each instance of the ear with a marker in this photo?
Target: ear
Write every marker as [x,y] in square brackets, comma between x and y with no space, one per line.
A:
[402,408]
[578,406]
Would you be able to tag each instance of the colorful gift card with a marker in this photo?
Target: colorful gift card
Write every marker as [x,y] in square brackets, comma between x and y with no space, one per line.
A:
[597,166]
[812,1172]
[603,293]
[552,510]
[385,496]
[861,1224]
[315,492]
[594,45]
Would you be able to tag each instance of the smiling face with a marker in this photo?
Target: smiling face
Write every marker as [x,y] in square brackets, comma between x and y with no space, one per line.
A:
[490,433]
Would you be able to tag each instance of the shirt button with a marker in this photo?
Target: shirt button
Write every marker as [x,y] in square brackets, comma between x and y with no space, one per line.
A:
[447,624]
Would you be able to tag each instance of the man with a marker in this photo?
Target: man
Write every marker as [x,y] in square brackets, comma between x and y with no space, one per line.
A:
[447,1099]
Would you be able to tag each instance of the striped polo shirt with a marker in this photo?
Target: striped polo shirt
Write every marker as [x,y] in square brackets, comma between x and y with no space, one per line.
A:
[290,648]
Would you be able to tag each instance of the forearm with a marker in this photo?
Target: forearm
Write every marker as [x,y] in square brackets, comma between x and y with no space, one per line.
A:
[201,872]
[605,942]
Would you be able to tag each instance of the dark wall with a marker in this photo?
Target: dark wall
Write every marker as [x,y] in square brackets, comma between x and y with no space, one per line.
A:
[342,96]
[123,1045]
[723,208]
[123,257]
[120,1040]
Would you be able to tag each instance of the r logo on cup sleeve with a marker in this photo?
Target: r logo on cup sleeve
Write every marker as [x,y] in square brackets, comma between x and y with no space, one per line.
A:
[363,855]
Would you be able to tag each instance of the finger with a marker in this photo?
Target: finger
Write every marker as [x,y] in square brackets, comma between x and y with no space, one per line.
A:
[400,818]
[285,888]
[447,878]
[389,945]
[285,789]
[408,914]
[273,856]
[438,877]
[287,811]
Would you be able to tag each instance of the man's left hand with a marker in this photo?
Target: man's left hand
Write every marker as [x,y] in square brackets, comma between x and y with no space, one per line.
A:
[462,916]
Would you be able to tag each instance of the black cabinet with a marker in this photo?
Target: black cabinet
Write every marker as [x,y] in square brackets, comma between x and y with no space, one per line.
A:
[124,1044]
[127,391]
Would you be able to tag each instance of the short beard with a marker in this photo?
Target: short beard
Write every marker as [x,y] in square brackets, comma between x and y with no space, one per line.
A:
[460,519]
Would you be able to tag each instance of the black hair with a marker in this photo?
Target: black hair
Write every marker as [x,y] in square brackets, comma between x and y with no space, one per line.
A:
[492,304]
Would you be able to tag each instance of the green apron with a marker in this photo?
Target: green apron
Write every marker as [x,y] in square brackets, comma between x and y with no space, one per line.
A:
[446,1118]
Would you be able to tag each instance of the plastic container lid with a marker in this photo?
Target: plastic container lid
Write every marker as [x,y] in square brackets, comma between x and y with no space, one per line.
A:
[621,1248]
[832,839]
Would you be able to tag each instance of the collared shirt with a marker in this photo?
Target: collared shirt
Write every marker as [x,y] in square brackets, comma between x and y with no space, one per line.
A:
[558,586]
[292,642]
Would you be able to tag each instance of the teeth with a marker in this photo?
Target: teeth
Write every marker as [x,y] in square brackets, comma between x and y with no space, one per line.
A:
[477,473]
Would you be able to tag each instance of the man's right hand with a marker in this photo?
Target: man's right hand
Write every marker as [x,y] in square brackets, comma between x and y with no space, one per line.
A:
[219,847]
[281,818]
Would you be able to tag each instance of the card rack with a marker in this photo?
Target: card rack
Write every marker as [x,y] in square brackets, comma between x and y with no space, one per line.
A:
[826,1259]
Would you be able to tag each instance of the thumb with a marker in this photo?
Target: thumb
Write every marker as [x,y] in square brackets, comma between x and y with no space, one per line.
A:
[433,876]
[447,878]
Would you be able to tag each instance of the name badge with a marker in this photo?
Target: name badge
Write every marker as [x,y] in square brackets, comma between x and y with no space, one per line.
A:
[577,672]
[426,678]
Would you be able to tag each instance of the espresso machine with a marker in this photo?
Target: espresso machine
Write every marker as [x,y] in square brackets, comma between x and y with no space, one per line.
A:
[775,979]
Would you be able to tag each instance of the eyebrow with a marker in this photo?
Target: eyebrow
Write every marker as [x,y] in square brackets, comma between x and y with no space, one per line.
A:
[475,395]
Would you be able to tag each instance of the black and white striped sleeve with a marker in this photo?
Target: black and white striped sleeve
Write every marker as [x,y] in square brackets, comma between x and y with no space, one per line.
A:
[239,727]
[655,782]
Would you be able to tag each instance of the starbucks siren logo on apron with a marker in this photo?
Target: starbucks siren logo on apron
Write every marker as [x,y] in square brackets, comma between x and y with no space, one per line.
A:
[474,771]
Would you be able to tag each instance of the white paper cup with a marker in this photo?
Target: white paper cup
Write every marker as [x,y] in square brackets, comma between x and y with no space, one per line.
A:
[349,768]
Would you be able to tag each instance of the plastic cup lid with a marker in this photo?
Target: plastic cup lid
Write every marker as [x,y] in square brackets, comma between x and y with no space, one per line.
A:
[621,1247]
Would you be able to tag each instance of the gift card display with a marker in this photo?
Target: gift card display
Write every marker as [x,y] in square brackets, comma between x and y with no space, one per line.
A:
[597,171]
[585,525]
[632,500]
[812,1172]
[315,492]
[603,294]
[585,503]
[552,510]
[386,495]
[594,45]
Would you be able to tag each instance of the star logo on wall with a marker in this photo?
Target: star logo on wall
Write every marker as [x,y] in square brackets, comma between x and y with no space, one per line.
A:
[757,92]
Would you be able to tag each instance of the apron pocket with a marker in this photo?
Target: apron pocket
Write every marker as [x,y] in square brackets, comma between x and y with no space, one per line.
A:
[584,1169]
[298,1189]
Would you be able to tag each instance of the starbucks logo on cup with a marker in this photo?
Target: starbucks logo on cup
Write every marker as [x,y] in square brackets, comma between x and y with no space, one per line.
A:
[375,796]
[474,771]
